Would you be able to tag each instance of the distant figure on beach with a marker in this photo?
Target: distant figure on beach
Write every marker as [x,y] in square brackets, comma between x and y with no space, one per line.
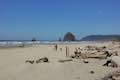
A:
[56,47]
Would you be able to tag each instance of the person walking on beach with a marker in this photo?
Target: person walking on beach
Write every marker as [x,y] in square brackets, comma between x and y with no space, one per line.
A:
[56,47]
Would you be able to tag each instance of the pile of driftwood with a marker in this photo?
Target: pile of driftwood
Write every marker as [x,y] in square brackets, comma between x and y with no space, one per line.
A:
[92,52]
[112,76]
[45,59]
[97,55]
[94,48]
[113,62]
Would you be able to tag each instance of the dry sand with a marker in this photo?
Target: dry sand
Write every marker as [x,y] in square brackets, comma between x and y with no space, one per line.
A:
[13,66]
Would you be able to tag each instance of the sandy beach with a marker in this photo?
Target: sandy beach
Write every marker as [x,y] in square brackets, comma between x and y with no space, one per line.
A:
[14,67]
[59,39]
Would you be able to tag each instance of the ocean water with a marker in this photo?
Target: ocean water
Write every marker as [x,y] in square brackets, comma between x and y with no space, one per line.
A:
[18,43]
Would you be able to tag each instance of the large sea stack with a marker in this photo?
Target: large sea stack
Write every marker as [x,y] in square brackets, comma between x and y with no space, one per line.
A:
[69,37]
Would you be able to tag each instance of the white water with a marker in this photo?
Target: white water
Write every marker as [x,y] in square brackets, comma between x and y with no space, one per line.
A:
[26,43]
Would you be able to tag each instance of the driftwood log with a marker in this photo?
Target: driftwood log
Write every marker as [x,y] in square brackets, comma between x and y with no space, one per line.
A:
[66,60]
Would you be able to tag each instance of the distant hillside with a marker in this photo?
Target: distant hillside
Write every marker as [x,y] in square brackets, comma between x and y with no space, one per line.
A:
[100,37]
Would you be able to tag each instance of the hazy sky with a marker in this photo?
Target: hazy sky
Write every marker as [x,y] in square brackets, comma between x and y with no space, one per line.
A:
[51,19]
